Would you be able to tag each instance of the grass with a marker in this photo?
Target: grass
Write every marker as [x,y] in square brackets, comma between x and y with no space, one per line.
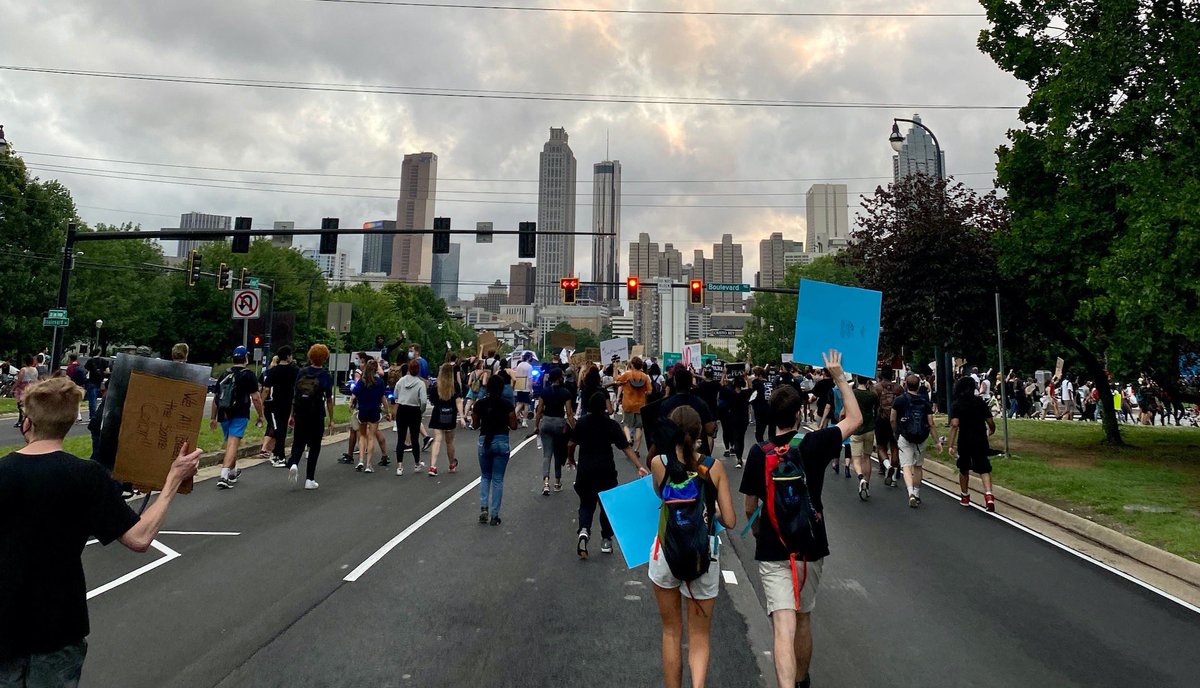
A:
[1065,464]
[8,405]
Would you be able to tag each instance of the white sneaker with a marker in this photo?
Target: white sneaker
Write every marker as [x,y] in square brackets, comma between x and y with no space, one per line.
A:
[310,485]
[293,474]
[420,465]
[368,469]
[400,469]
[359,467]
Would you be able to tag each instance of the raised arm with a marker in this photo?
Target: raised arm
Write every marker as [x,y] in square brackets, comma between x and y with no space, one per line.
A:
[852,416]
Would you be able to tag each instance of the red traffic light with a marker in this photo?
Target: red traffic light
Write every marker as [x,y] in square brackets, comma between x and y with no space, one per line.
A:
[696,291]
[257,340]
[631,289]
[569,286]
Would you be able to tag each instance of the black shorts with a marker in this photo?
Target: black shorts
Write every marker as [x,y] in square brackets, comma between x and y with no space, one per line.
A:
[883,434]
[979,464]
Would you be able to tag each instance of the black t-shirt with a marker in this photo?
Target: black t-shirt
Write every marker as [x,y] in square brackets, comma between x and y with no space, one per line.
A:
[594,436]
[737,404]
[282,381]
[972,415]
[315,410]
[817,449]
[50,504]
[245,383]
[710,392]
[554,401]
[687,399]
[95,368]
[823,391]
[493,415]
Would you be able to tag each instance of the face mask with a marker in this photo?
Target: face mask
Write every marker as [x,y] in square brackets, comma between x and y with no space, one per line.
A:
[412,354]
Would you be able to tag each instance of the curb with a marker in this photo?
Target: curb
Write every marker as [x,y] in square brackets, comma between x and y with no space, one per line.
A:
[1174,566]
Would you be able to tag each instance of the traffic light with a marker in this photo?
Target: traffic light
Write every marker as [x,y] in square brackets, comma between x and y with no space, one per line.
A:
[569,286]
[241,239]
[441,235]
[328,239]
[527,240]
[631,289]
[224,277]
[193,268]
[257,339]
[696,292]
[243,279]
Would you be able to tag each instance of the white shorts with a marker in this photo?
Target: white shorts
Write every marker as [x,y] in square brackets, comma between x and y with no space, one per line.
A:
[705,587]
[780,587]
[911,454]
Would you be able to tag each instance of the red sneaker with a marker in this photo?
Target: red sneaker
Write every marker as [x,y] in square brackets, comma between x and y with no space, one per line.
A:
[454,466]
[965,500]
[432,472]
[990,502]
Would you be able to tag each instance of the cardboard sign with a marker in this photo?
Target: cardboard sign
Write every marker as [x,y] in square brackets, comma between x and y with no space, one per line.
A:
[578,359]
[692,358]
[1058,367]
[638,350]
[592,354]
[830,316]
[562,340]
[488,343]
[618,347]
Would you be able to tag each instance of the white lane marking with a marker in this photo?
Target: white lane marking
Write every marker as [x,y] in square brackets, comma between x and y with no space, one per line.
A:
[730,578]
[177,532]
[1086,557]
[404,534]
[168,553]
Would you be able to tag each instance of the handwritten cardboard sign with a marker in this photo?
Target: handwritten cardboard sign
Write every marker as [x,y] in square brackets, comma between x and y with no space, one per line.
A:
[1058,367]
[639,350]
[160,416]
[830,316]
[618,347]
[592,354]
[487,343]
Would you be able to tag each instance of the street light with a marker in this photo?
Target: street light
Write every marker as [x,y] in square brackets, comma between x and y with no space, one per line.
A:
[99,324]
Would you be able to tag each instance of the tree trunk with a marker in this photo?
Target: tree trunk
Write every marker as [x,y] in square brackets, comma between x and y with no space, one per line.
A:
[1112,429]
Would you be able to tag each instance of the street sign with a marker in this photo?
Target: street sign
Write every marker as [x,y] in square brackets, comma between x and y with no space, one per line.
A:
[721,286]
[56,313]
[338,318]
[664,285]
[246,304]
[55,322]
[252,283]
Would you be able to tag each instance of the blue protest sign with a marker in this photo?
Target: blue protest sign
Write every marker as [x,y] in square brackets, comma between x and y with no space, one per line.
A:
[632,510]
[830,316]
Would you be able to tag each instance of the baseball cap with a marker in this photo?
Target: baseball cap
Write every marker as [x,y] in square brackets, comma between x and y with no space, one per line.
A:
[239,351]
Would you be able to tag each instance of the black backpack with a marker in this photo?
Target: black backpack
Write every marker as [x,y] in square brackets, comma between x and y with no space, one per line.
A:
[914,425]
[226,390]
[789,507]
[308,396]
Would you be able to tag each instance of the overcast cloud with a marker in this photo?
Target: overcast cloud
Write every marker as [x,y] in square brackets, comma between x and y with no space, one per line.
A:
[921,60]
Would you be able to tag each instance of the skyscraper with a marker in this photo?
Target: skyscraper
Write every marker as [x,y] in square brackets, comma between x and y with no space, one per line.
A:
[194,220]
[726,268]
[917,155]
[334,267]
[647,263]
[445,273]
[412,254]
[827,217]
[521,284]
[771,264]
[377,247]
[606,222]
[556,213]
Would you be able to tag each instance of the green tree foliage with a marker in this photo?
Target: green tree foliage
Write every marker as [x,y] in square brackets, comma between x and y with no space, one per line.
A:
[1103,179]
[123,284]
[584,337]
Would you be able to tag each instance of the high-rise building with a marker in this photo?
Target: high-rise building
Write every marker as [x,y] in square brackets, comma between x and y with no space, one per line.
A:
[521,284]
[496,296]
[771,263]
[445,273]
[194,220]
[335,267]
[377,247]
[917,155]
[727,269]
[606,222]
[649,264]
[702,269]
[556,213]
[412,254]
[827,214]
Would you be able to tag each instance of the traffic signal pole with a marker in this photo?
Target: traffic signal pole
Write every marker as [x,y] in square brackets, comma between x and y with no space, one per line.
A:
[64,286]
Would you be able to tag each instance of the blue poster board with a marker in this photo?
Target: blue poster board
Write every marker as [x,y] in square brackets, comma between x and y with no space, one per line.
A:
[830,316]
[632,510]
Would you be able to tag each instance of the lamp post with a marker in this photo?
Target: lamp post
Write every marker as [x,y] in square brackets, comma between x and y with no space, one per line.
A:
[99,324]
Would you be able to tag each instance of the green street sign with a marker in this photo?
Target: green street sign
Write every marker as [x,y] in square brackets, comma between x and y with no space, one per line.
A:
[252,283]
[719,286]
[57,313]
[55,322]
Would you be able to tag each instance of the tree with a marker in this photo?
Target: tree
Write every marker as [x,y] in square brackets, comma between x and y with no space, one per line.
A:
[1102,180]
[584,338]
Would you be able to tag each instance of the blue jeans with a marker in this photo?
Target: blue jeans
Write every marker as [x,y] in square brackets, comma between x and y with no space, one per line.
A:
[493,461]
[91,392]
[58,669]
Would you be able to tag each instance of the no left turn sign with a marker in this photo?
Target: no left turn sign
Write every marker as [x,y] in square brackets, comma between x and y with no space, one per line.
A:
[246,304]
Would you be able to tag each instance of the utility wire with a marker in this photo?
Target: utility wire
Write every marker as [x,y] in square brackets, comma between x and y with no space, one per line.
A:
[688,13]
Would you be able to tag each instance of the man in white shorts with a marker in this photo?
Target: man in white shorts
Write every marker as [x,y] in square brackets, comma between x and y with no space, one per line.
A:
[912,422]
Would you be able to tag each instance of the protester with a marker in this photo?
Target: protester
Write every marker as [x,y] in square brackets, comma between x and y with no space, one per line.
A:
[679,436]
[735,405]
[26,376]
[760,402]
[312,402]
[789,586]
[414,354]
[443,397]
[862,442]
[368,398]
[51,504]
[552,422]
[912,423]
[96,367]
[412,398]
[886,390]
[280,384]
[1066,399]
[635,386]
[522,377]
[970,424]
[681,395]
[266,449]
[236,391]
[495,417]
[591,385]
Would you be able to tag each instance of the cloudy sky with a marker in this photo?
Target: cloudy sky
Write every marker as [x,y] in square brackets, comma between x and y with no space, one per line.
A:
[357,139]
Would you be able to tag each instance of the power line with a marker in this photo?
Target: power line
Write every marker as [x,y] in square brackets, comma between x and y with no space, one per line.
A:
[689,13]
[495,95]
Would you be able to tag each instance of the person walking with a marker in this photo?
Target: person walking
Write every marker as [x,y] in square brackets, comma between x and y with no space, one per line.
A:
[236,391]
[476,386]
[26,376]
[412,398]
[635,386]
[912,423]
[312,402]
[735,400]
[95,368]
[760,401]
[522,380]
[368,399]
[495,417]
[594,437]
[886,391]
[970,425]
[679,438]
[444,397]
[280,384]
[414,354]
[862,442]
[267,447]
[554,418]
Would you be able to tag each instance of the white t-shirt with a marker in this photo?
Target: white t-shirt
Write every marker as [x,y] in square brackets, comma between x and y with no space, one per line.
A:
[521,374]
[1066,391]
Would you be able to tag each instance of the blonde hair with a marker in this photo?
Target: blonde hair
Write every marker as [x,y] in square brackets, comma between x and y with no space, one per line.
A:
[445,381]
[52,406]
[179,352]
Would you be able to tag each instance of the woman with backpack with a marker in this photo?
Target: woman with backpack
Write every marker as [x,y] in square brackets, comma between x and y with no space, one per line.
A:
[495,417]
[687,483]
[552,420]
[444,396]
[476,383]
[368,397]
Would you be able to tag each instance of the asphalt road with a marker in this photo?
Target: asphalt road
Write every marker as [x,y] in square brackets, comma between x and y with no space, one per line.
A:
[942,596]
[11,436]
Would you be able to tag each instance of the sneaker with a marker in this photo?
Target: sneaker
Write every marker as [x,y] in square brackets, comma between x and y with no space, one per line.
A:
[606,546]
[360,467]
[581,547]
[400,468]
[368,469]
[558,486]
[425,443]
[384,460]
[836,470]
[225,484]
[918,501]
[864,490]
[727,454]
[346,459]
[990,502]
[483,516]
[964,499]
[454,465]
[739,464]
[278,463]
[495,520]
[848,471]
[310,485]
[432,472]
[546,487]
[293,474]
[420,465]
[913,502]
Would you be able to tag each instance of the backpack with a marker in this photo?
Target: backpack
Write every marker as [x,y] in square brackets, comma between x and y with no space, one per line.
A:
[789,506]
[686,527]
[887,397]
[913,426]
[308,394]
[476,383]
[226,388]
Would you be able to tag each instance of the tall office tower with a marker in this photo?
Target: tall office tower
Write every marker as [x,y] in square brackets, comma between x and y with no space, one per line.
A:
[918,155]
[377,247]
[283,240]
[606,222]
[521,284]
[556,213]
[827,216]
[412,254]
[497,295]
[445,273]
[648,263]
[196,220]
[726,268]
[771,267]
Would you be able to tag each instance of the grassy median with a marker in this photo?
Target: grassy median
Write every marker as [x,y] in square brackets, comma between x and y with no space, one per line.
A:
[1149,490]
